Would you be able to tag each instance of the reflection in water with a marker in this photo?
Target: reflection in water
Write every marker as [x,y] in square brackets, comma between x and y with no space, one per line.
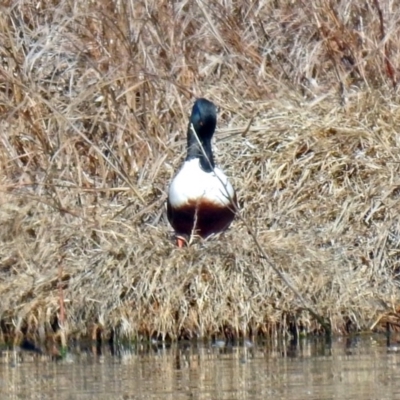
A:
[347,369]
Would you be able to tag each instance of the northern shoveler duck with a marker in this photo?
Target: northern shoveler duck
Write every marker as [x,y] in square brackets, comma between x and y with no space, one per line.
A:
[201,200]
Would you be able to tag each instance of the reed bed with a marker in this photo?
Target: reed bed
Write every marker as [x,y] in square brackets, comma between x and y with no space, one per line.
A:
[94,102]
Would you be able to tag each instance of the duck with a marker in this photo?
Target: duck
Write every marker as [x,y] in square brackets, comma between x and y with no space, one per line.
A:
[201,200]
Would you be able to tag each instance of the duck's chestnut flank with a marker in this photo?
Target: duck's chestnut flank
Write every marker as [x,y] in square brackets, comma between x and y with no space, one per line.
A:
[201,200]
[210,217]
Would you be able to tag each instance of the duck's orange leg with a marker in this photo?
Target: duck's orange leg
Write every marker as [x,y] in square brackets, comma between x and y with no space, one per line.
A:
[180,241]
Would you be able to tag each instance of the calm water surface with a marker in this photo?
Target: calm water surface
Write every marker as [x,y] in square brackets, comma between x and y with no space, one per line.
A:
[347,369]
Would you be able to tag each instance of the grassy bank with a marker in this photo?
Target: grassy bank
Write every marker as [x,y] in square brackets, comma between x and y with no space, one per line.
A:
[94,101]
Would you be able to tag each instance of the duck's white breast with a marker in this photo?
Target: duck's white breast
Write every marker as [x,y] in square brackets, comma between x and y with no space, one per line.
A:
[192,182]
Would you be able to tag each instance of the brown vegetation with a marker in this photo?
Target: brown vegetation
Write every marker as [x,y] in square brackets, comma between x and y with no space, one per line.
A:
[94,102]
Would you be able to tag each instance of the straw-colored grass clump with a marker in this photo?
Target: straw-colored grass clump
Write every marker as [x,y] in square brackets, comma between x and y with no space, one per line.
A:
[94,100]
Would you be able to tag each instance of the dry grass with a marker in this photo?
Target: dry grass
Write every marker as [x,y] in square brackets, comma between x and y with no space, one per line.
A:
[94,99]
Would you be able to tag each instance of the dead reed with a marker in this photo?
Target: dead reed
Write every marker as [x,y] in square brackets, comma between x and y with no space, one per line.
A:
[94,102]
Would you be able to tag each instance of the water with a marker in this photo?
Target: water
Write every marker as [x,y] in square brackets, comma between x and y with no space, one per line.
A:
[348,369]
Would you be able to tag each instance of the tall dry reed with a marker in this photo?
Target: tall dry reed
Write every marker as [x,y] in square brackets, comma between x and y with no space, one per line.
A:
[94,102]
